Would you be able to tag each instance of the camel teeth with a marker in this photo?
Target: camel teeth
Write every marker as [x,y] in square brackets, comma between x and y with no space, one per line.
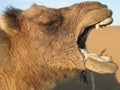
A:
[97,26]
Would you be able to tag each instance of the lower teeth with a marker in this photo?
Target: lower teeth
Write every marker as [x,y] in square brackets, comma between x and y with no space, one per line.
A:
[95,56]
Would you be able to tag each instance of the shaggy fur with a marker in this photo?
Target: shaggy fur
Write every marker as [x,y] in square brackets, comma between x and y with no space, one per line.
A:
[38,46]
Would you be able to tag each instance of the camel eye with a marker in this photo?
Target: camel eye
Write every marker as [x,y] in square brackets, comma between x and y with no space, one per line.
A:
[50,23]
[54,23]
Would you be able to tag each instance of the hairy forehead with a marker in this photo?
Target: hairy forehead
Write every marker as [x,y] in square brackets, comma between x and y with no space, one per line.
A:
[37,10]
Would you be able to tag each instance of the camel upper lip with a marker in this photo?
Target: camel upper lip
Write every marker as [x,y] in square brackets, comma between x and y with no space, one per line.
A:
[108,15]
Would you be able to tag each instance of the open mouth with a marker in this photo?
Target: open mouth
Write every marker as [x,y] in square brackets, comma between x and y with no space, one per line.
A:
[83,37]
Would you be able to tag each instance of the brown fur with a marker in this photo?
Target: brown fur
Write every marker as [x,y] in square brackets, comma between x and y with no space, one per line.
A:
[38,46]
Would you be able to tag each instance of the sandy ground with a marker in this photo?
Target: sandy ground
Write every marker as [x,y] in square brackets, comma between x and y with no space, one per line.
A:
[98,40]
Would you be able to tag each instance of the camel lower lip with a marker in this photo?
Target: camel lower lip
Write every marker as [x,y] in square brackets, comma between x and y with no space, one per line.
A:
[98,63]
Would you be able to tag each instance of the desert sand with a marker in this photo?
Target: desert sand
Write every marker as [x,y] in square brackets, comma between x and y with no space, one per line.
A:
[98,40]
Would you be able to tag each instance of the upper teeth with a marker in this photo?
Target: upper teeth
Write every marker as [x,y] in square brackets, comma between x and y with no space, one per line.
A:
[97,26]
[104,22]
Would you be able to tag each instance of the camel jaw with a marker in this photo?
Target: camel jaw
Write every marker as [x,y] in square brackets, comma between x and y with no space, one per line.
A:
[94,62]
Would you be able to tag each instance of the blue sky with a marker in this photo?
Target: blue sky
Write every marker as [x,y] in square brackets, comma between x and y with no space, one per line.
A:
[114,5]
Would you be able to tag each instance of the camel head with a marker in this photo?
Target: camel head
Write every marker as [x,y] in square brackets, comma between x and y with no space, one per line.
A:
[58,37]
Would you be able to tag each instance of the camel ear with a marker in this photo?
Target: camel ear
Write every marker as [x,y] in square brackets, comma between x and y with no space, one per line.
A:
[9,21]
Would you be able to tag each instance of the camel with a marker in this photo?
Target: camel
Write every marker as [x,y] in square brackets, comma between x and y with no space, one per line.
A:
[41,46]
